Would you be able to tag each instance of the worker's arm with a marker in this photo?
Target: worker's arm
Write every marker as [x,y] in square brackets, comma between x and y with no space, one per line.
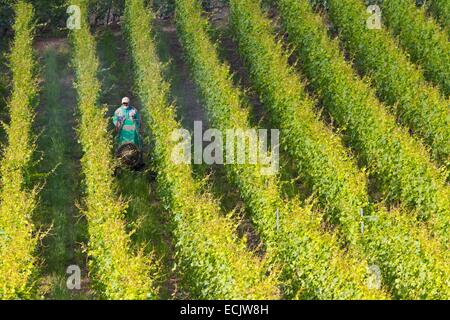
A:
[117,120]
[118,125]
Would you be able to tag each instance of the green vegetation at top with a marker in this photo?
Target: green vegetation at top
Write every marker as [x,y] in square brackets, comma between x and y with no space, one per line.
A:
[212,262]
[441,10]
[398,82]
[421,37]
[117,271]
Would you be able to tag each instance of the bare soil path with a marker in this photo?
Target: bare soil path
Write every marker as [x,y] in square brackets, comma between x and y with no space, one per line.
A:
[189,106]
[58,168]
[145,216]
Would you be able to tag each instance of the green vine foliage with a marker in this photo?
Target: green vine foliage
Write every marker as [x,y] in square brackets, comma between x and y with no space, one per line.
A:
[313,266]
[18,239]
[212,261]
[421,37]
[398,82]
[414,265]
[398,164]
[321,159]
[403,246]
[117,271]
[441,11]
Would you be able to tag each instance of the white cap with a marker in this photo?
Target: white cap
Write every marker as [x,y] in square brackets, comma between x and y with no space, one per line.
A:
[126,100]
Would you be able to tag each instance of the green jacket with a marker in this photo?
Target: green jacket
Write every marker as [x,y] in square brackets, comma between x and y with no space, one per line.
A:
[128,120]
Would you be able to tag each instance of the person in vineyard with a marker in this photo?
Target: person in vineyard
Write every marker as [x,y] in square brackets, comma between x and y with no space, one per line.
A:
[129,130]
[128,124]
